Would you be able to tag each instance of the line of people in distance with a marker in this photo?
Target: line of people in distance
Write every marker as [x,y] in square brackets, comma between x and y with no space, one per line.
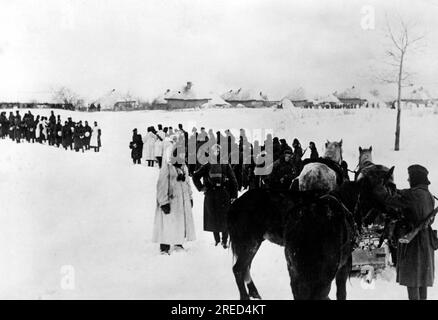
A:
[70,135]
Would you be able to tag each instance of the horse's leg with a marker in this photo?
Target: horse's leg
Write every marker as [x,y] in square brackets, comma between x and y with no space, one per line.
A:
[252,289]
[244,255]
[341,280]
[321,292]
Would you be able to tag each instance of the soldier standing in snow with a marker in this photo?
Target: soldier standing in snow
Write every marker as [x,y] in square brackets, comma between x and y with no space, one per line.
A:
[71,125]
[58,132]
[136,146]
[297,155]
[158,146]
[283,172]
[219,185]
[66,135]
[173,223]
[3,127]
[149,146]
[313,151]
[17,127]
[11,125]
[87,135]
[95,137]
[416,259]
[78,136]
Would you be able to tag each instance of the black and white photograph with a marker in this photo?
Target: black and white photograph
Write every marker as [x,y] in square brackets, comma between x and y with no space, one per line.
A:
[220,150]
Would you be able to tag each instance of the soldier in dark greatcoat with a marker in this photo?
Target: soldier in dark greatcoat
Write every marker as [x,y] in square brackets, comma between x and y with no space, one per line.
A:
[219,185]
[87,135]
[283,172]
[11,125]
[313,151]
[415,260]
[17,127]
[66,135]
[136,146]
[78,137]
[4,125]
[58,133]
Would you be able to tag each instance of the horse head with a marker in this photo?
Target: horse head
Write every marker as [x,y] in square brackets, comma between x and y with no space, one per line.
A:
[333,151]
[365,157]
[376,186]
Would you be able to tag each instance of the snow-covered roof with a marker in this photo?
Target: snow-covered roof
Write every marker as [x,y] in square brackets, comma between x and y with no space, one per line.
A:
[349,93]
[330,98]
[186,93]
[298,94]
[244,95]
[161,99]
[417,94]
[108,100]
[287,104]
[373,98]
[217,100]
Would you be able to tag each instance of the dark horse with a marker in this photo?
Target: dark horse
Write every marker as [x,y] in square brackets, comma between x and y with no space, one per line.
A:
[261,214]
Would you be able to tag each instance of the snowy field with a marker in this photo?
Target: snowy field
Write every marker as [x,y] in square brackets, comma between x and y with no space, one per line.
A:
[94,211]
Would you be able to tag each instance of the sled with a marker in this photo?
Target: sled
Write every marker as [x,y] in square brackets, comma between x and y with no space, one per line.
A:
[368,257]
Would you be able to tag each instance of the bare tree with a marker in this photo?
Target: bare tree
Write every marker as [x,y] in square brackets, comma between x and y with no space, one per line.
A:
[67,96]
[401,42]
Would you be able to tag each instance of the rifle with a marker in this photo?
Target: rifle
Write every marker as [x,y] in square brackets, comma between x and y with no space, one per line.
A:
[424,224]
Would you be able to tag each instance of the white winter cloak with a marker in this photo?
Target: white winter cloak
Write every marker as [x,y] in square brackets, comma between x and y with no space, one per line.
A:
[177,226]
[149,146]
[94,142]
[158,147]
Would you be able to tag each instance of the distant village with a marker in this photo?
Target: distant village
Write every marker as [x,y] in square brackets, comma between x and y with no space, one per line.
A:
[187,97]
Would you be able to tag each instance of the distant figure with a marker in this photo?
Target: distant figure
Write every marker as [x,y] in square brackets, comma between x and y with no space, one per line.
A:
[87,135]
[17,127]
[298,151]
[58,133]
[313,151]
[158,146]
[78,137]
[283,172]
[136,146]
[344,167]
[149,146]
[284,146]
[95,141]
[276,149]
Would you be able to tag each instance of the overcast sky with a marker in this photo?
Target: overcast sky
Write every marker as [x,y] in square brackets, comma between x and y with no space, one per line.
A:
[147,46]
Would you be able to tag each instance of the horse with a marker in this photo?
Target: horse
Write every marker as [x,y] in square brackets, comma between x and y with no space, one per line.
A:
[320,236]
[365,160]
[367,168]
[324,174]
[261,214]
[393,228]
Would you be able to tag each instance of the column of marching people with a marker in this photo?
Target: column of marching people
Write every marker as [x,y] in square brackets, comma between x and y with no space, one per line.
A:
[51,131]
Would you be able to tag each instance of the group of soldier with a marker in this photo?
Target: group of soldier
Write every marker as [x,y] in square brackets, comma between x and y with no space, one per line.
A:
[158,144]
[238,167]
[70,135]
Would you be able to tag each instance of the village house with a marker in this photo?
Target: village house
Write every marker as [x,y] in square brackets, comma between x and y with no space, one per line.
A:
[247,98]
[185,98]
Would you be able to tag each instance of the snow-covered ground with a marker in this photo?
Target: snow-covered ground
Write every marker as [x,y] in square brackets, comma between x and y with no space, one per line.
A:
[94,211]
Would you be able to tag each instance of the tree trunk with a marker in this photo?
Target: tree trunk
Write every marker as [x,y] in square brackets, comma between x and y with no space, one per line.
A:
[397,127]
